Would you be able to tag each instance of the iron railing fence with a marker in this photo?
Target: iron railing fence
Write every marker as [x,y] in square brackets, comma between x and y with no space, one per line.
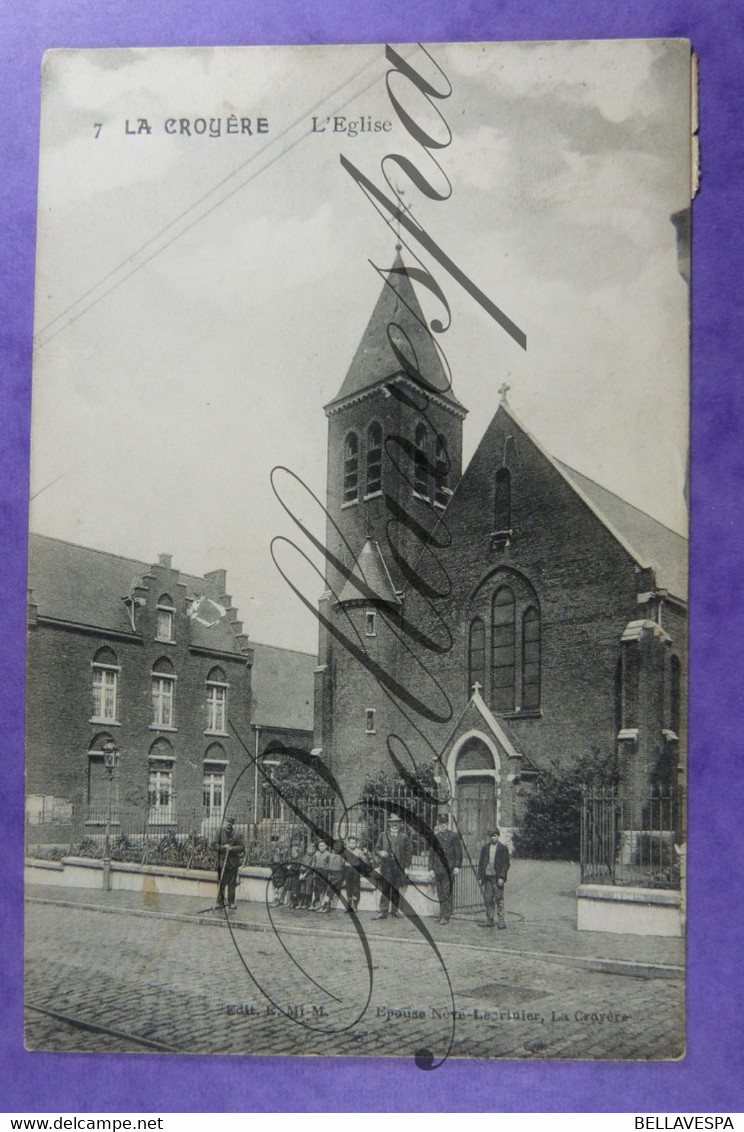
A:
[631,840]
[292,827]
[376,804]
[184,838]
[179,837]
[188,838]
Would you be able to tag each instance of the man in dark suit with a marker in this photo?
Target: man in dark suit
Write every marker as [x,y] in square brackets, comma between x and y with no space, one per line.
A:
[230,853]
[445,859]
[394,855]
[493,867]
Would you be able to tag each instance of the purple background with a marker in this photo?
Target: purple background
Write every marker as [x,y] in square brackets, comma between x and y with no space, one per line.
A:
[710,1077]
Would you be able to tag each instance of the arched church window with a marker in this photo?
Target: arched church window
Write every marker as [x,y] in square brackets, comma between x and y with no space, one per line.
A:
[420,462]
[374,459]
[502,501]
[476,655]
[502,654]
[351,468]
[531,658]
[441,470]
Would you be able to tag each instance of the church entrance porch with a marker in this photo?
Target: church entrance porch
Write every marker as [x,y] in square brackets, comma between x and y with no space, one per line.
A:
[475,773]
[475,769]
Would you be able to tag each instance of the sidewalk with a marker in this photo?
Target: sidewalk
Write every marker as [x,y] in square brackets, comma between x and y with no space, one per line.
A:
[540,912]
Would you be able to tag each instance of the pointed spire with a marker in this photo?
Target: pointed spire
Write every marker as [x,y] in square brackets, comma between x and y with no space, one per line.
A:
[371,568]
[374,362]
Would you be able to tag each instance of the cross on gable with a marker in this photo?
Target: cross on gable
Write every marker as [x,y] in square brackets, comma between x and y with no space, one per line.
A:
[477,688]
[503,390]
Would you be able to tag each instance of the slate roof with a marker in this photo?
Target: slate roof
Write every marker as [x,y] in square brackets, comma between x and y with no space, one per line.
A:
[370,566]
[648,541]
[83,586]
[282,687]
[651,542]
[374,361]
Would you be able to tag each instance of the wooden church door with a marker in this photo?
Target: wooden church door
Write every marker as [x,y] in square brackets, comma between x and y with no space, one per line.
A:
[476,810]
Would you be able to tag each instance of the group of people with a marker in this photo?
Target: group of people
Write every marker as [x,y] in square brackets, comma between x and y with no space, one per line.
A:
[331,871]
[318,879]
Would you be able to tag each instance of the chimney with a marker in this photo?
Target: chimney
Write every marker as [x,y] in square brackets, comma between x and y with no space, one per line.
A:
[165,560]
[216,584]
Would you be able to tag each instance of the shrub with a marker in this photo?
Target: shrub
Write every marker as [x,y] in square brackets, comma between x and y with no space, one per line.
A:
[551,827]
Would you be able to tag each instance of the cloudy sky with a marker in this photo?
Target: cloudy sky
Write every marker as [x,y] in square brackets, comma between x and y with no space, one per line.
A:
[200,298]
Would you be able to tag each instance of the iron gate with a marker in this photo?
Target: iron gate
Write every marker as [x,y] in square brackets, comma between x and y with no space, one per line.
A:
[467,894]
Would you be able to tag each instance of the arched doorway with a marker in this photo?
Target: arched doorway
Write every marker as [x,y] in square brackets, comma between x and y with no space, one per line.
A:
[476,773]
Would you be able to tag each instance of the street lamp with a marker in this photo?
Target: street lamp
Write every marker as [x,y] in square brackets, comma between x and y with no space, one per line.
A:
[110,761]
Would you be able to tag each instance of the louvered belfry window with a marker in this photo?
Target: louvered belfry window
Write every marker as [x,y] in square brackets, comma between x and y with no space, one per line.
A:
[351,468]
[374,459]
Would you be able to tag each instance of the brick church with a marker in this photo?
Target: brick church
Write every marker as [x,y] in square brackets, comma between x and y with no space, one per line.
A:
[489,622]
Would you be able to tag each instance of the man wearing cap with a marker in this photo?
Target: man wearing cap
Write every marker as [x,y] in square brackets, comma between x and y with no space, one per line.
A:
[445,859]
[230,852]
[493,866]
[394,856]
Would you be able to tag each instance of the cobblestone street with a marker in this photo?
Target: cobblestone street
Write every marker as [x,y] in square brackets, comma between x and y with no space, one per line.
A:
[172,980]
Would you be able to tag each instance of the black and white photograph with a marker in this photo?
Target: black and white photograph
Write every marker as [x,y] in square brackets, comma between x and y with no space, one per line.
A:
[357,598]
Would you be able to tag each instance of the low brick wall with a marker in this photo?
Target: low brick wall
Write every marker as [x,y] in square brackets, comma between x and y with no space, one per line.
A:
[84,872]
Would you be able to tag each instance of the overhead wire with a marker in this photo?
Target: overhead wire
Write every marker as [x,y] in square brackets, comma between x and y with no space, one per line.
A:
[42,338]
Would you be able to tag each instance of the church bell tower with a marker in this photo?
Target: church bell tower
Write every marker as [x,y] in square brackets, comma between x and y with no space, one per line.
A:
[394,458]
[394,436]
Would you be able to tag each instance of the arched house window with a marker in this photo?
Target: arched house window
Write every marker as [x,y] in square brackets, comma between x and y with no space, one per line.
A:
[373,483]
[217,701]
[351,468]
[503,650]
[160,783]
[102,785]
[165,611]
[476,655]
[105,686]
[215,762]
[421,462]
[163,694]
[531,658]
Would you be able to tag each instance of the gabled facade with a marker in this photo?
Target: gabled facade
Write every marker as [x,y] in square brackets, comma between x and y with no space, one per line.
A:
[522,616]
[144,658]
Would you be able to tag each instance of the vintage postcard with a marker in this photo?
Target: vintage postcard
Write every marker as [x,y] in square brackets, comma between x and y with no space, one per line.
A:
[357,663]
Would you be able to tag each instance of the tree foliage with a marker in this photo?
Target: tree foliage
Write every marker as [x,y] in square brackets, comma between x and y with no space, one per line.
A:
[293,779]
[551,827]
